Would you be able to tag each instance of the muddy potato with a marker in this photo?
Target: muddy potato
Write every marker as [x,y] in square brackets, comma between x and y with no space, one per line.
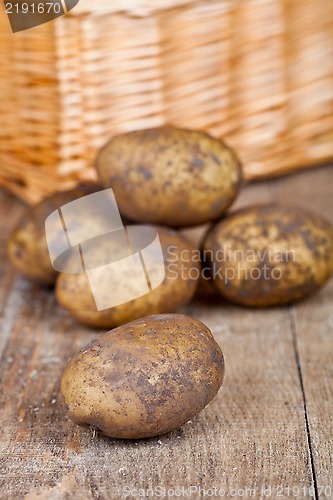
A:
[267,255]
[27,246]
[144,378]
[170,176]
[206,291]
[182,272]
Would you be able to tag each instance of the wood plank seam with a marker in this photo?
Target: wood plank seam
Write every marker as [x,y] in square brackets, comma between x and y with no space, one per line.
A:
[293,329]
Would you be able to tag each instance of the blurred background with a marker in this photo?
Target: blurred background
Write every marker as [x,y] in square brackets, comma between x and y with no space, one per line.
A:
[257,73]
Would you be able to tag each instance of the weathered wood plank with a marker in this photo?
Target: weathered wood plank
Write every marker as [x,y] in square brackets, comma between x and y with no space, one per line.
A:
[251,436]
[313,330]
[312,322]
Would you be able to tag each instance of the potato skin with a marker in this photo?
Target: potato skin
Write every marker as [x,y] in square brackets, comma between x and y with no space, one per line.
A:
[144,378]
[170,176]
[27,247]
[294,244]
[73,291]
[206,291]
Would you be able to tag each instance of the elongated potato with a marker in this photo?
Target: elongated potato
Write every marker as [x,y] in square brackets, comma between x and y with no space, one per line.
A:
[270,254]
[182,272]
[170,176]
[144,378]
[27,246]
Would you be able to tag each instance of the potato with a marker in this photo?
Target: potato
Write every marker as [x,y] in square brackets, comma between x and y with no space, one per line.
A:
[270,254]
[206,290]
[182,272]
[144,378]
[170,176]
[27,247]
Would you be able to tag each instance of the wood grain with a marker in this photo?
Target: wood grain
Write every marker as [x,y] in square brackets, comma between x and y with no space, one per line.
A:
[312,324]
[269,427]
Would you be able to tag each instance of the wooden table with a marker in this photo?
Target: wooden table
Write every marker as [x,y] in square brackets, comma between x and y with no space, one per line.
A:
[269,429]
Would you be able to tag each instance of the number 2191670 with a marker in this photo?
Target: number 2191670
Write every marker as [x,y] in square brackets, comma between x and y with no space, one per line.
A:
[303,491]
[25,8]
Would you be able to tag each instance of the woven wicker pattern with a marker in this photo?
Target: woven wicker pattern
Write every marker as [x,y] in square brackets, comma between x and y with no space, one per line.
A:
[258,73]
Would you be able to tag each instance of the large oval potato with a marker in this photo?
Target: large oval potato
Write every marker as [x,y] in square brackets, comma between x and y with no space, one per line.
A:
[27,247]
[144,378]
[182,272]
[170,176]
[267,255]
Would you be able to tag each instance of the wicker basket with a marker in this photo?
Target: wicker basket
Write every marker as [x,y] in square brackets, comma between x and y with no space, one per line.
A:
[258,73]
